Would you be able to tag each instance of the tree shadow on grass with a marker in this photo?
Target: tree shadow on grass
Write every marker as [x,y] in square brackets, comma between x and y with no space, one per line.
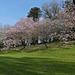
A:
[35,66]
[29,51]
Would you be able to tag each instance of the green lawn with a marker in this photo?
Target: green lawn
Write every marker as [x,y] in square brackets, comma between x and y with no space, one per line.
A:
[52,61]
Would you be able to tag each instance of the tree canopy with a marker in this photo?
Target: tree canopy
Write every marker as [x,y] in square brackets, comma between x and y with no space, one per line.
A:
[35,13]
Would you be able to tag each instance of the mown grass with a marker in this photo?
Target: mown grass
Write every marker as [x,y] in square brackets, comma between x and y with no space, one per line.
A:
[56,60]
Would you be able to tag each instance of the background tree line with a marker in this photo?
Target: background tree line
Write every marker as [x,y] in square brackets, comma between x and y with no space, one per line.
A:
[57,23]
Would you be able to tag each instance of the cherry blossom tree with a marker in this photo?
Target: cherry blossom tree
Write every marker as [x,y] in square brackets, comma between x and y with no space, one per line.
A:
[47,29]
[21,32]
[28,31]
[68,19]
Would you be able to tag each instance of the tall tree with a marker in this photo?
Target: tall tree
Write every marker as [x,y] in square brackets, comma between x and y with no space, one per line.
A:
[50,9]
[35,13]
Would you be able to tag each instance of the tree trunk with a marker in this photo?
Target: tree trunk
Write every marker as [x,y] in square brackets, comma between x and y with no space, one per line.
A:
[45,43]
[23,44]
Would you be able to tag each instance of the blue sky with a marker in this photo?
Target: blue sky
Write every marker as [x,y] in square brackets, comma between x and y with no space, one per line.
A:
[13,10]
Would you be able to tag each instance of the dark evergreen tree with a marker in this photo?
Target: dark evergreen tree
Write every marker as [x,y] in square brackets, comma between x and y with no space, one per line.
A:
[35,13]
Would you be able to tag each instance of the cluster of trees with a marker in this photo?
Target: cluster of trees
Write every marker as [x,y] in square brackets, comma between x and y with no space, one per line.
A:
[57,24]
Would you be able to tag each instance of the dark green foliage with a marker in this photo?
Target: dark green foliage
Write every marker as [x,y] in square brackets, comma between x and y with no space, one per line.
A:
[35,13]
[73,29]
[1,44]
[74,2]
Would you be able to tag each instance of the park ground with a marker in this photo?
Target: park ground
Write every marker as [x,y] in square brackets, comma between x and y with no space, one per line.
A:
[58,59]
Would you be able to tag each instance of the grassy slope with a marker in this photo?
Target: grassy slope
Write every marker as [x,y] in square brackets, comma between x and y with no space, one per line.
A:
[52,61]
